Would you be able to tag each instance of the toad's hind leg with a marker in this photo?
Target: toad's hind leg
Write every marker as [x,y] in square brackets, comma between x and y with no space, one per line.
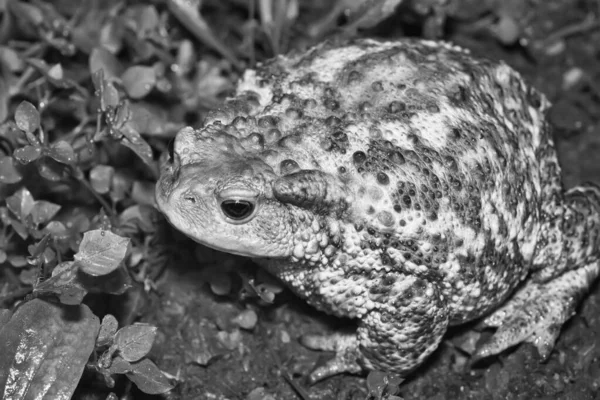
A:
[395,335]
[571,250]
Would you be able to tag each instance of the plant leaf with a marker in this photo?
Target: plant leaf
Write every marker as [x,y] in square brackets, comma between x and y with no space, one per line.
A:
[136,142]
[8,171]
[100,58]
[108,328]
[101,252]
[21,203]
[148,378]
[27,154]
[52,170]
[119,366]
[64,283]
[44,348]
[27,117]
[62,152]
[43,211]
[101,178]
[135,341]
[138,81]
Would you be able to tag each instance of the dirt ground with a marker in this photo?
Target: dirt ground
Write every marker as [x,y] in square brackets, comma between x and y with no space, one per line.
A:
[217,361]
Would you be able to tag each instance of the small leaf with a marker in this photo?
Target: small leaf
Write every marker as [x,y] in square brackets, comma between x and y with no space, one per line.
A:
[17,260]
[148,378]
[28,276]
[52,170]
[101,252]
[135,341]
[57,230]
[147,118]
[142,19]
[64,283]
[138,81]
[101,178]
[11,59]
[110,96]
[28,12]
[43,211]
[27,117]
[111,35]
[38,248]
[51,72]
[119,366]
[56,72]
[142,192]
[20,203]
[62,152]
[120,186]
[108,328]
[247,319]
[4,97]
[8,172]
[135,142]
[105,60]
[44,348]
[27,154]
[139,216]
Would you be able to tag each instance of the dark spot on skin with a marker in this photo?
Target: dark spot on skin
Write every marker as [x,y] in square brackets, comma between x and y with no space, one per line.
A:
[382,178]
[388,280]
[433,108]
[333,121]
[377,86]
[359,157]
[385,218]
[365,107]
[354,76]
[331,104]
[396,157]
[267,121]
[288,166]
[340,136]
[294,113]
[396,107]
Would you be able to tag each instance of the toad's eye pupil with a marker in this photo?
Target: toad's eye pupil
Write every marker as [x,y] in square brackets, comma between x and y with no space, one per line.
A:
[237,209]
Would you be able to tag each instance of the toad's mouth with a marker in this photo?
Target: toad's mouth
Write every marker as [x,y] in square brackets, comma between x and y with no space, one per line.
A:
[213,237]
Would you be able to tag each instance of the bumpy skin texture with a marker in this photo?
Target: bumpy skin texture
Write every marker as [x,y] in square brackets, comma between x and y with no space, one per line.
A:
[405,184]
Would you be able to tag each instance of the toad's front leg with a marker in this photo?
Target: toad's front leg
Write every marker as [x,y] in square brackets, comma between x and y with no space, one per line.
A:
[404,324]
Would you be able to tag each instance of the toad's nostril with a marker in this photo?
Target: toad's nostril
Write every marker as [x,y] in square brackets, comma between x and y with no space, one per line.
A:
[171,148]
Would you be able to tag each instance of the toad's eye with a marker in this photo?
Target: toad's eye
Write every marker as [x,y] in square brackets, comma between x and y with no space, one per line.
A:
[237,210]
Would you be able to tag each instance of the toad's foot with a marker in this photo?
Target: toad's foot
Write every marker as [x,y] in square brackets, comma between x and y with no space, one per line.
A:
[537,311]
[347,357]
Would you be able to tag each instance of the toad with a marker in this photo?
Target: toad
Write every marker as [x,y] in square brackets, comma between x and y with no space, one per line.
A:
[405,184]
